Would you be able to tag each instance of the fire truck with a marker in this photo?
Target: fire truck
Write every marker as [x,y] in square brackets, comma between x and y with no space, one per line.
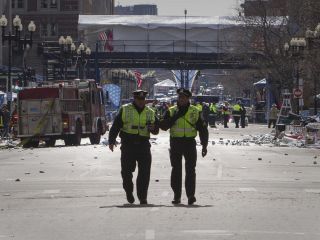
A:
[67,110]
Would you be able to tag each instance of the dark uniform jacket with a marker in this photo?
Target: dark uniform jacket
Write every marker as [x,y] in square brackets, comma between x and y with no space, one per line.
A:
[126,137]
[201,126]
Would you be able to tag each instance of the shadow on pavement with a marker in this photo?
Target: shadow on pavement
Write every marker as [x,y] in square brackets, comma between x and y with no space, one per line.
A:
[157,206]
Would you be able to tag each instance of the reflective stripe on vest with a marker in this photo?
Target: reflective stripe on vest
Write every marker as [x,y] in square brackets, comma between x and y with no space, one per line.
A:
[213,108]
[1,121]
[236,110]
[135,123]
[185,126]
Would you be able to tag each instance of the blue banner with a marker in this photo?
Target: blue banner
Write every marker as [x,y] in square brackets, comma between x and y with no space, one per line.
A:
[113,94]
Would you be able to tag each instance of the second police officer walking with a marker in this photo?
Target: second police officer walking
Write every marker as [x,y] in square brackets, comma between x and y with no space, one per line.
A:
[184,121]
[135,121]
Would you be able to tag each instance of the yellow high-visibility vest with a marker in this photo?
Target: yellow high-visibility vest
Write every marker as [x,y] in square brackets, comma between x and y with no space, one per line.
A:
[185,126]
[135,123]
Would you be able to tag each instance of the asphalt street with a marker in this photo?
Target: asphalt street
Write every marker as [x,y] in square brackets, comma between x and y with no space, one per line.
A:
[243,192]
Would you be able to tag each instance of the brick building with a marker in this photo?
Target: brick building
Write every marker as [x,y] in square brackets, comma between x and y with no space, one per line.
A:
[53,18]
[139,9]
[265,7]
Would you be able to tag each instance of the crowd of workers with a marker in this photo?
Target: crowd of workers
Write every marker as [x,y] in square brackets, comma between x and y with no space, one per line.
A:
[212,112]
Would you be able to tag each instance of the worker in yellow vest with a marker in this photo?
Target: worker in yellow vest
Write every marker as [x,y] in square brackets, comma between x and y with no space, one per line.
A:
[135,121]
[184,121]
[213,115]
[236,113]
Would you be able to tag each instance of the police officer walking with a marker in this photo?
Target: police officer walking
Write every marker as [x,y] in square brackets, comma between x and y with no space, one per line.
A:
[135,121]
[184,120]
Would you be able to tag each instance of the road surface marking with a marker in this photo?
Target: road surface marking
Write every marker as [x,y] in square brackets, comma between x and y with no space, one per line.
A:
[312,190]
[150,234]
[231,233]
[115,190]
[164,194]
[247,190]
[54,191]
[219,172]
[154,209]
[210,232]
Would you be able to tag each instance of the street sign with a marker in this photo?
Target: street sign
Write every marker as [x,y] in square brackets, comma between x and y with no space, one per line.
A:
[297,93]
[9,96]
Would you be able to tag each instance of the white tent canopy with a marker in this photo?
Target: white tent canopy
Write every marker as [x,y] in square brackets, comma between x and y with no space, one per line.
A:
[160,33]
[166,33]
[166,83]
[164,86]
[151,22]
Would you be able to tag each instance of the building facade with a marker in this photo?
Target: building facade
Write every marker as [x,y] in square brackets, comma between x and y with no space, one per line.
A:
[139,9]
[265,8]
[53,18]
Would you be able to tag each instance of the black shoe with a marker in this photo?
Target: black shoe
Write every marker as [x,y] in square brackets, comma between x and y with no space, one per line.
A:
[176,201]
[191,200]
[130,197]
[143,202]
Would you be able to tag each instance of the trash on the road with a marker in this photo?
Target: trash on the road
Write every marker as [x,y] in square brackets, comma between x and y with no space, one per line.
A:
[41,172]
[27,173]
[315,162]
[157,180]
[259,159]
[18,180]
[95,157]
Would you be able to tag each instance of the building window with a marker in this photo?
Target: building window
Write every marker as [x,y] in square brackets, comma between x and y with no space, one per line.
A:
[48,4]
[43,30]
[49,29]
[17,3]
[52,29]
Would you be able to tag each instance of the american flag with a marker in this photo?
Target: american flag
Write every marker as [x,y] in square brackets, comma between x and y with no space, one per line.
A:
[139,78]
[107,36]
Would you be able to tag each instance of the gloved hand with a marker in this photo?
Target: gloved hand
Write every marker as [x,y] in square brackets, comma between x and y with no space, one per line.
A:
[204,151]
[178,114]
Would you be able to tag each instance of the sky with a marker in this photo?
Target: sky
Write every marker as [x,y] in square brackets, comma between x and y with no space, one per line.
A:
[194,8]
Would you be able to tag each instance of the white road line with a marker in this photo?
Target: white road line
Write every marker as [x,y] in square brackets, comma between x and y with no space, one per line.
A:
[219,171]
[53,191]
[150,234]
[164,194]
[231,233]
[210,232]
[312,190]
[115,190]
[247,190]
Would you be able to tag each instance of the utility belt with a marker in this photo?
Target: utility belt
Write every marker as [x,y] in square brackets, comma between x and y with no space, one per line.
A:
[135,139]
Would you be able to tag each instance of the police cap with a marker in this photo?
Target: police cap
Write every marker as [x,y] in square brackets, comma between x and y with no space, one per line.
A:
[184,91]
[140,93]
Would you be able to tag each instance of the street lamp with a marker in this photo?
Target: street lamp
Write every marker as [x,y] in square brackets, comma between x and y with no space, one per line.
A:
[67,49]
[295,50]
[83,52]
[313,43]
[15,37]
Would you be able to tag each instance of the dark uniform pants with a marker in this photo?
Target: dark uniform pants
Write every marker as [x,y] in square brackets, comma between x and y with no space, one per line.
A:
[130,155]
[225,120]
[243,120]
[236,120]
[186,148]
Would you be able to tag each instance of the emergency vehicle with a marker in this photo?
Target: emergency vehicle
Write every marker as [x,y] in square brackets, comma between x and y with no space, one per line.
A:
[67,110]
